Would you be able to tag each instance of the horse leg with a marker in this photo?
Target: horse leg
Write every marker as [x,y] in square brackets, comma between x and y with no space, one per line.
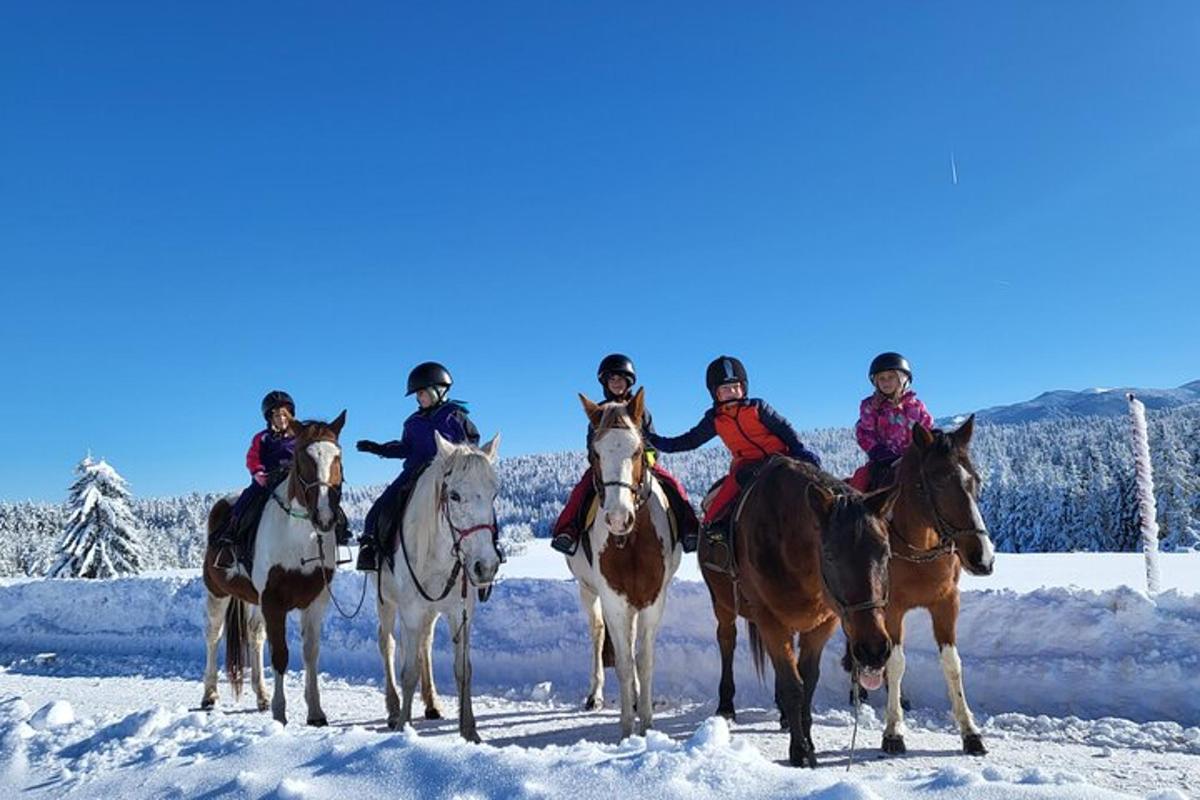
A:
[727,642]
[648,621]
[387,651]
[275,618]
[894,730]
[619,621]
[945,623]
[808,664]
[789,691]
[410,673]
[595,619]
[462,675]
[258,636]
[429,696]
[311,619]
[214,626]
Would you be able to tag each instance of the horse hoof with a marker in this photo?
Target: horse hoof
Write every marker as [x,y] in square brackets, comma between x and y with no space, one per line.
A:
[280,718]
[728,713]
[207,704]
[973,745]
[893,745]
[432,712]
[592,704]
[395,723]
[318,722]
[263,704]
[472,737]
[802,757]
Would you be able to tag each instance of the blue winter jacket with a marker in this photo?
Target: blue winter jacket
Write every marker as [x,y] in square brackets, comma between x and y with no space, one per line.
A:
[417,446]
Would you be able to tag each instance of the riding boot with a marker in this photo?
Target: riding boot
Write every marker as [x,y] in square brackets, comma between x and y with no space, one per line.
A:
[566,542]
[341,528]
[720,551]
[368,554]
[566,538]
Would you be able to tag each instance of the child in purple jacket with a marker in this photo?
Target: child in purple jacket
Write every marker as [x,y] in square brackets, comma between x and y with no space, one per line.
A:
[885,420]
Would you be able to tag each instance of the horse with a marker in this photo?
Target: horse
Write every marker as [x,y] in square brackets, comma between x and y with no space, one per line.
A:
[436,553]
[295,555]
[809,553]
[625,566]
[936,532]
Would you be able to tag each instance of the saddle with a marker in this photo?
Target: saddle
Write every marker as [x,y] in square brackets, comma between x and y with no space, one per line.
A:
[747,478]
[246,530]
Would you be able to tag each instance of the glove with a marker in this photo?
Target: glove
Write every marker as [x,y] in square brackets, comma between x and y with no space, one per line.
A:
[260,478]
[366,446]
[881,452]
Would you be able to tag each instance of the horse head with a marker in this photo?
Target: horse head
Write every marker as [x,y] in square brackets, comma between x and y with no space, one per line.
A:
[466,501]
[943,484]
[855,552]
[316,474]
[617,458]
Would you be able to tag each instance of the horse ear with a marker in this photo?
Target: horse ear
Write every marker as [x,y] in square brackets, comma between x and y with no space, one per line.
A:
[492,448]
[880,503]
[821,500]
[592,410]
[444,448]
[637,407]
[338,423]
[962,436]
[922,438]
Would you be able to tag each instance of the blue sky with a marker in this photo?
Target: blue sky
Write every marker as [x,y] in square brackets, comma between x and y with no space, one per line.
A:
[201,203]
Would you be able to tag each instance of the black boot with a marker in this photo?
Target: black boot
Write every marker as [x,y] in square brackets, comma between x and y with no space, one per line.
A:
[368,555]
[690,540]
[566,543]
[341,529]
[720,553]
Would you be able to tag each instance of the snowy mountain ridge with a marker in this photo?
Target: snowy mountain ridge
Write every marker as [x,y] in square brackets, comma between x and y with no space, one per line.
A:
[1093,402]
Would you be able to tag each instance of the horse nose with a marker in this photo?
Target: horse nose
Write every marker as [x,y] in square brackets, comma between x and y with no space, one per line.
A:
[619,521]
[873,653]
[484,573]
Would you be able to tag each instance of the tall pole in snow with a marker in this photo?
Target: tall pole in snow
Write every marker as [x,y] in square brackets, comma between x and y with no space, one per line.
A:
[1147,511]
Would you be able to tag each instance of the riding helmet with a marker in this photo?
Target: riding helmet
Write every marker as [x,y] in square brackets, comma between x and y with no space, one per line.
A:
[277,399]
[723,370]
[885,361]
[617,364]
[426,375]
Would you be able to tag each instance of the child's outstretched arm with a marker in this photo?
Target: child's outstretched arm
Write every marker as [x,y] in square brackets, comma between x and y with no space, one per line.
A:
[704,432]
[779,426]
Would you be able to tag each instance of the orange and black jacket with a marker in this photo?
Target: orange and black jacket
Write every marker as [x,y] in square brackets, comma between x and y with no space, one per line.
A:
[751,429]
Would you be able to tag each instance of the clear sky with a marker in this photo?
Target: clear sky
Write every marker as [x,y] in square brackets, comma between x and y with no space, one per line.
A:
[201,202]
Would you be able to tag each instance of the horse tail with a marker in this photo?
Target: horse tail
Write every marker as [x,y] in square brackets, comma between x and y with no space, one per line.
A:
[757,651]
[609,657]
[237,644]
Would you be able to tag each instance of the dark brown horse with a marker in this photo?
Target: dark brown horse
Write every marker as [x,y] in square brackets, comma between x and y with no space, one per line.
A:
[809,552]
[936,532]
[295,554]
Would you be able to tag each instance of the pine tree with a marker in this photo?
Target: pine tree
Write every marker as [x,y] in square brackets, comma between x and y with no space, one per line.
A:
[100,537]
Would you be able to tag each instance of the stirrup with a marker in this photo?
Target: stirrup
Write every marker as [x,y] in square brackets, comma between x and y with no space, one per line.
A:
[368,559]
[225,557]
[690,541]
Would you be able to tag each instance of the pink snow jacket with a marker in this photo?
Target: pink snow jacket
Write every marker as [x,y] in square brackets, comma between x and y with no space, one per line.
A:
[884,429]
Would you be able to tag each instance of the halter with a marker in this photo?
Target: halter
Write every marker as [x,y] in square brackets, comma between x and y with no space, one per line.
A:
[866,605]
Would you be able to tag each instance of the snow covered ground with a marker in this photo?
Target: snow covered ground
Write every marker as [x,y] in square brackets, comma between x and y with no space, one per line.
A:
[1085,687]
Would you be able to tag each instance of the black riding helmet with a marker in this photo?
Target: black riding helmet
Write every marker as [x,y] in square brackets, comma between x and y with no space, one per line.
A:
[277,399]
[616,364]
[426,375]
[723,370]
[885,361]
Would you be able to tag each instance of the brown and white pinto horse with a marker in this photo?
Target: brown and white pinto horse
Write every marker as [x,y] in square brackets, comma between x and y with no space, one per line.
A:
[936,532]
[810,552]
[633,556]
[295,556]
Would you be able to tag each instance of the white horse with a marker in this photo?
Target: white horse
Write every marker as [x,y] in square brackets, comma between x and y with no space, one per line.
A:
[623,585]
[447,544]
[295,554]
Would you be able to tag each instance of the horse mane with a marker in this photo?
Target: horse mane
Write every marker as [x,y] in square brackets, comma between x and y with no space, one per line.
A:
[614,414]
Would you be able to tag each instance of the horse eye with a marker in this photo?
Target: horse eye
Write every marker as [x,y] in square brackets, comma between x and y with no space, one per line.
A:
[456,497]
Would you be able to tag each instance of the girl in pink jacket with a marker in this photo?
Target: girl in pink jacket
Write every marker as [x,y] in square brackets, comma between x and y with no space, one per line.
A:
[885,420]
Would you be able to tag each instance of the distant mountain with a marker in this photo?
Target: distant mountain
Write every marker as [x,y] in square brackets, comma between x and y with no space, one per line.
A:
[1065,404]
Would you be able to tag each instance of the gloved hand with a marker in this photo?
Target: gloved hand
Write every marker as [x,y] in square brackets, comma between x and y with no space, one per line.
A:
[260,478]
[366,446]
[881,452]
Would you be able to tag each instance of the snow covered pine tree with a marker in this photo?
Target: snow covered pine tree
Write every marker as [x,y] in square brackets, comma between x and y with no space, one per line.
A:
[100,537]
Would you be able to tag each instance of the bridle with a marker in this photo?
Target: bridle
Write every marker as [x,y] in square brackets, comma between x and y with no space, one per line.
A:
[335,491]
[946,532]
[641,490]
[842,607]
[458,536]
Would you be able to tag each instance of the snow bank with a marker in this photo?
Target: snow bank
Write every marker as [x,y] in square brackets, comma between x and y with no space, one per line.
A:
[1054,651]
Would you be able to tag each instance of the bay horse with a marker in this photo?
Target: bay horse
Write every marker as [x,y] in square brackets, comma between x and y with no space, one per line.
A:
[295,555]
[447,542]
[631,557]
[809,553]
[936,532]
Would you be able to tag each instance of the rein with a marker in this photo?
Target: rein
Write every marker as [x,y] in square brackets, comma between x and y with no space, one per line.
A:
[945,531]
